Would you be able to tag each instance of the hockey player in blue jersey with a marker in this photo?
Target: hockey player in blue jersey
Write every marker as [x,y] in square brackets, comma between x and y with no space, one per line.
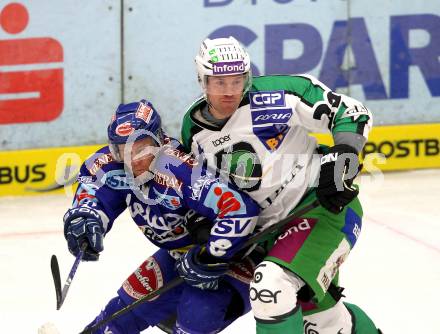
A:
[168,194]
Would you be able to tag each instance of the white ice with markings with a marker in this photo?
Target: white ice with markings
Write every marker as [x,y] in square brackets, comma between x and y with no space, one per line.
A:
[393,273]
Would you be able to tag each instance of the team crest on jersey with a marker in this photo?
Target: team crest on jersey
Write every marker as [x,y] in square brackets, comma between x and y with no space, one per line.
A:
[264,99]
[241,165]
[271,136]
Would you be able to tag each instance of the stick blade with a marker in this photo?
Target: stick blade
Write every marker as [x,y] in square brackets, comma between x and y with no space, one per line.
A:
[56,279]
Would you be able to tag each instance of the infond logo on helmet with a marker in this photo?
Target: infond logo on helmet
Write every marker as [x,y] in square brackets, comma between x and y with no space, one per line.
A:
[267,99]
[228,68]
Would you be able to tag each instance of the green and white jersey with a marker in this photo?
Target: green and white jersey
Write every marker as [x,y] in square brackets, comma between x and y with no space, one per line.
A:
[265,148]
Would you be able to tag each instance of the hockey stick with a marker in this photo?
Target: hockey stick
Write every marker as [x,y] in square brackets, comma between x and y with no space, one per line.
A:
[61,294]
[257,237]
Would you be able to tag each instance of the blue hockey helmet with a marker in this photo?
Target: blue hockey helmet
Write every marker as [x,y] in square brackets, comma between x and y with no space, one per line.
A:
[132,122]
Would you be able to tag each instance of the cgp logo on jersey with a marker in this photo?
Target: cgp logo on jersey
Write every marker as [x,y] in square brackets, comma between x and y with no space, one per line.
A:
[264,99]
[265,116]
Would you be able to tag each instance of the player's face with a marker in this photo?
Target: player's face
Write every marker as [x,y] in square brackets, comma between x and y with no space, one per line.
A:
[141,155]
[224,94]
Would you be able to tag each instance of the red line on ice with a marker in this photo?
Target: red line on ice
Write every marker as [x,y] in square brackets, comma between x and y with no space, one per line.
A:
[416,240]
[28,234]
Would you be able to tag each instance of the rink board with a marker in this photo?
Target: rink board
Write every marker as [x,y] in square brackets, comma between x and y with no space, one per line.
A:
[399,147]
[384,54]
[28,172]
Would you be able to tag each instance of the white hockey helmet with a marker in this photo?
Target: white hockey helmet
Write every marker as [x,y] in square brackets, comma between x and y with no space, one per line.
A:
[223,57]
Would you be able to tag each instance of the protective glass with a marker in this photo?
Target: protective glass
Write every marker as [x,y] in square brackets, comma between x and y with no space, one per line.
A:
[226,84]
[134,151]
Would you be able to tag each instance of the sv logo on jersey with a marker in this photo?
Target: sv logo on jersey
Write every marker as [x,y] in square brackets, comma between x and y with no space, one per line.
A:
[267,99]
[232,227]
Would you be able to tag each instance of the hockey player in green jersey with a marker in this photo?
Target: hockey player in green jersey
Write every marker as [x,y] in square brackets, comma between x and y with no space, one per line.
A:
[256,132]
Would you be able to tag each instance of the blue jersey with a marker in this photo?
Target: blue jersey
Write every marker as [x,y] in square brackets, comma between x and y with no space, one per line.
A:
[178,183]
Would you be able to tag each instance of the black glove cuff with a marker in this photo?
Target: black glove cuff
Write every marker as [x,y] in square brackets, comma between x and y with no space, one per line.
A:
[199,228]
[204,257]
[342,148]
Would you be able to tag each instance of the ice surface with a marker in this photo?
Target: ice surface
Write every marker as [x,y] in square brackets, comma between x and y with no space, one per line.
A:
[393,273]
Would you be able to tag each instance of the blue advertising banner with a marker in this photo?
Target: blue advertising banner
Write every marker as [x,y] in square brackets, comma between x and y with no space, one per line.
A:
[384,54]
[64,66]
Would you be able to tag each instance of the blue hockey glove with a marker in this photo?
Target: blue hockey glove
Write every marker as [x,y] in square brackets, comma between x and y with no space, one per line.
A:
[339,167]
[201,270]
[81,225]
